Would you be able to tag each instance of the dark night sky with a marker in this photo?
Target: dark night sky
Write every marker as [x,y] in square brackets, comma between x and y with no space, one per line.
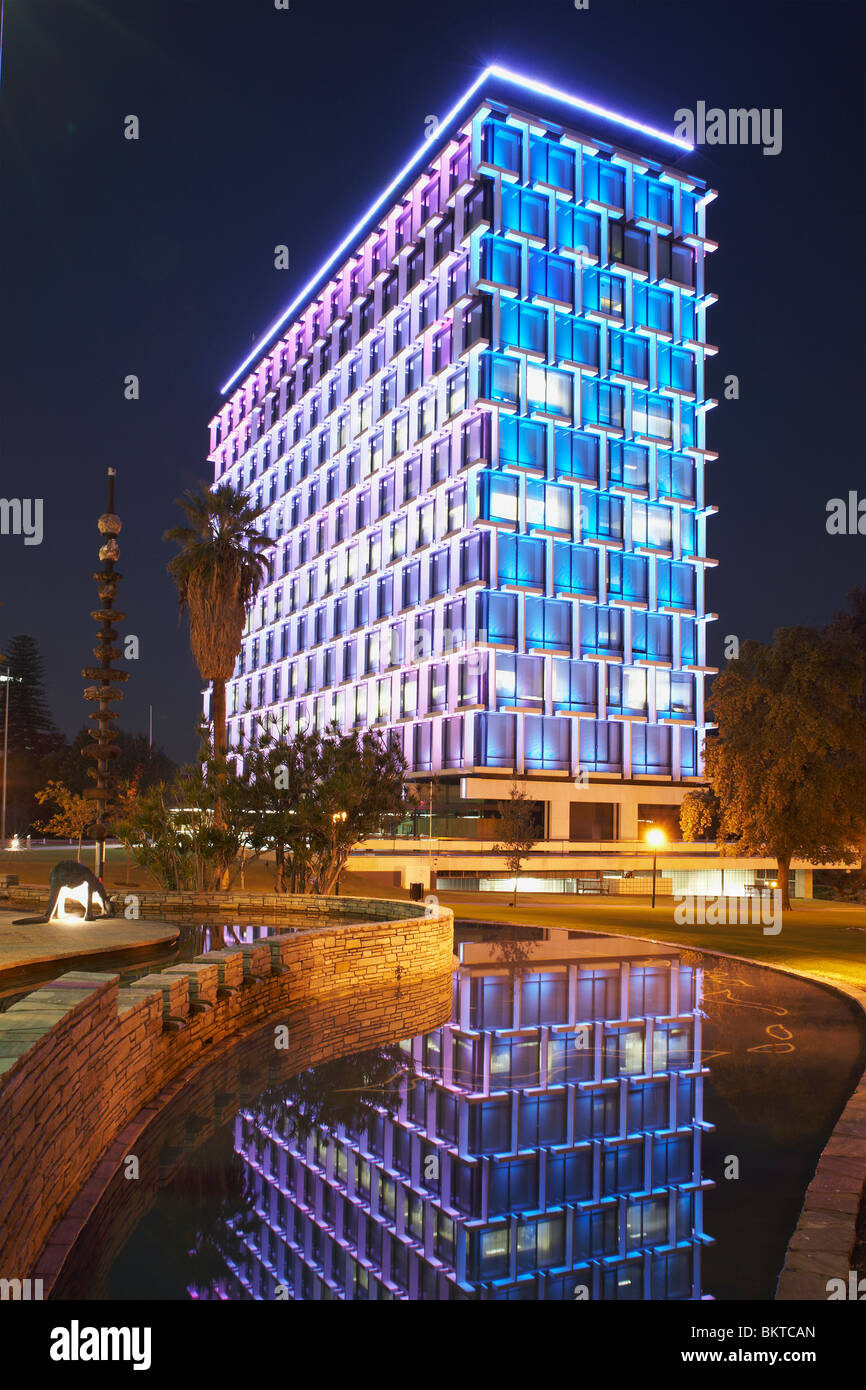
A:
[262,127]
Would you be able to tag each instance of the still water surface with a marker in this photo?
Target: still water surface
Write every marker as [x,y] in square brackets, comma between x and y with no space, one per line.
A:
[245,1181]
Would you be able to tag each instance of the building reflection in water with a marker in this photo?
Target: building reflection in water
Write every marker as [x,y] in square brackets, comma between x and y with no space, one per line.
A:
[546,1144]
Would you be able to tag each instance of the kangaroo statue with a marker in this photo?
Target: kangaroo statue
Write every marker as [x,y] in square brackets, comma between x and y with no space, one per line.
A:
[67,881]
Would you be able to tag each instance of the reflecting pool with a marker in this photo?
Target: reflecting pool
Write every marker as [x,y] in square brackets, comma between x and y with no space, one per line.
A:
[602,1118]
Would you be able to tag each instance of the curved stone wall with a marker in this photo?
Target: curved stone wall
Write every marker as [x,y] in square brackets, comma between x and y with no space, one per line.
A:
[81,1058]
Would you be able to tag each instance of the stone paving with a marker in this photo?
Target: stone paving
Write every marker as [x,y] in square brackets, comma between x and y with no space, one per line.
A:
[22,947]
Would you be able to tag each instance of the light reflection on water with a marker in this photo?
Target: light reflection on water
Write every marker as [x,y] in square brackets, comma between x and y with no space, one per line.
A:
[507,1154]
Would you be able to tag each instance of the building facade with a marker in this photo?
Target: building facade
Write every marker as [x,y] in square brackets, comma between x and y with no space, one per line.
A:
[480,440]
[546,1145]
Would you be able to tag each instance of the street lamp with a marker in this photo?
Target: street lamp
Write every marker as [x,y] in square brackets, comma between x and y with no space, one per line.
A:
[656,838]
[338,818]
[7,677]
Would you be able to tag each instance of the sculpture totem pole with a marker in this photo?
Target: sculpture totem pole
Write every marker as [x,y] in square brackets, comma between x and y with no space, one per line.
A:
[105,693]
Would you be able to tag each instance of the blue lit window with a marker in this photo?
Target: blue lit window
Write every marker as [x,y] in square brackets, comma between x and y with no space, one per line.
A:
[576,454]
[676,475]
[498,496]
[541,1120]
[548,624]
[600,515]
[523,211]
[652,415]
[570,1057]
[523,326]
[651,748]
[496,616]
[603,182]
[473,557]
[626,690]
[501,145]
[521,561]
[551,277]
[551,163]
[688,426]
[675,584]
[495,744]
[689,752]
[628,576]
[651,525]
[439,572]
[519,682]
[676,367]
[652,199]
[499,378]
[652,636]
[513,1187]
[548,506]
[688,533]
[488,1253]
[689,205]
[575,569]
[653,308]
[547,742]
[688,641]
[576,340]
[500,262]
[688,331]
[577,228]
[550,391]
[600,630]
[521,442]
[601,404]
[675,695]
[629,464]
[628,354]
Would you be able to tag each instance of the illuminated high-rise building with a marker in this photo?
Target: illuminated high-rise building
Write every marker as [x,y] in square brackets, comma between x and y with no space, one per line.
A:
[545,1145]
[479,434]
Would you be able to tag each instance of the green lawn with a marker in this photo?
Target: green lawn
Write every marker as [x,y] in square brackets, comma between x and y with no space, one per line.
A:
[820,939]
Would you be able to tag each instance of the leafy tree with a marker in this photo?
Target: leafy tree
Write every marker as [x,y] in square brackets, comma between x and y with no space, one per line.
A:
[72,815]
[699,815]
[32,735]
[519,832]
[317,794]
[137,762]
[218,572]
[788,763]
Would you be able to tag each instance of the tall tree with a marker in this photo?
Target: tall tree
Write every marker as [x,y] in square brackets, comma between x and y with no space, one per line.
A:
[218,571]
[699,815]
[32,735]
[137,762]
[519,831]
[788,763]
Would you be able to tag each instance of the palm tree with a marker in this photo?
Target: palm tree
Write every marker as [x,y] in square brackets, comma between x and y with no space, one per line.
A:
[218,572]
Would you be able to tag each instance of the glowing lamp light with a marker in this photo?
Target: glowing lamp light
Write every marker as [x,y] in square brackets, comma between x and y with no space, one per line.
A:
[79,895]
[655,838]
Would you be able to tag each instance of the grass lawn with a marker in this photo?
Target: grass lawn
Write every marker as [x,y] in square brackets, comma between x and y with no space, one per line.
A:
[824,940]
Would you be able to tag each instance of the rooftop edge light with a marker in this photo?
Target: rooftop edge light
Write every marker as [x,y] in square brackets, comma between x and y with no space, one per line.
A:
[502,74]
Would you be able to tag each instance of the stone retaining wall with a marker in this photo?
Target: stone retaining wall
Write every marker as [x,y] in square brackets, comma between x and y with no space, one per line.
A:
[822,1245]
[156,902]
[80,1058]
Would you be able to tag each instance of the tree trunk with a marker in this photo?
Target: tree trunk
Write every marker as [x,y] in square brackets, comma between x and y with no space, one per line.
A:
[218,710]
[783,864]
[80,838]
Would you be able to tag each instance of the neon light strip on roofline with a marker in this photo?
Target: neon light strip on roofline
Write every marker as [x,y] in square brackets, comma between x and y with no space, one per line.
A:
[504,75]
